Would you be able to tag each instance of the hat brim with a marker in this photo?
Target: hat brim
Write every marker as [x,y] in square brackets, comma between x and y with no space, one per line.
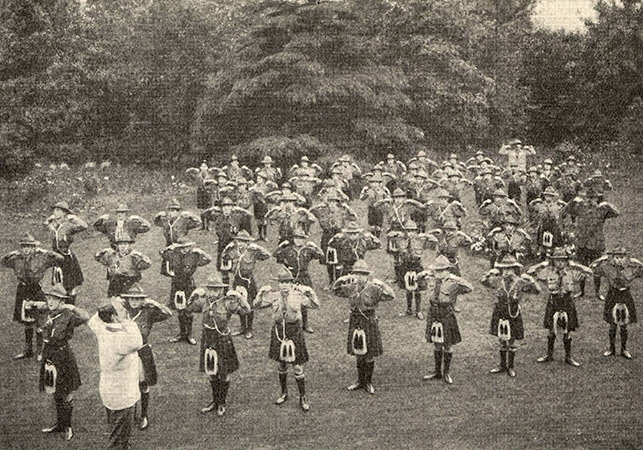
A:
[30,243]
[364,271]
[126,295]
[243,238]
[184,244]
[516,265]
[56,295]
[221,285]
[62,208]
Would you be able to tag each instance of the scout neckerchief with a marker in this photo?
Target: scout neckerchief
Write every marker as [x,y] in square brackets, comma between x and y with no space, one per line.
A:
[120,230]
[237,269]
[58,239]
[50,321]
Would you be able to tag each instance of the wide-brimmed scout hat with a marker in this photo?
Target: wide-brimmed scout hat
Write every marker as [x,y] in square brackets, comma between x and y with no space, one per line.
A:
[508,261]
[361,266]
[266,160]
[549,190]
[421,154]
[500,193]
[227,201]
[63,206]
[184,241]
[124,238]
[243,235]
[305,158]
[559,253]
[122,207]
[515,142]
[57,291]
[135,291]
[28,239]
[399,193]
[352,227]
[174,204]
[532,169]
[284,275]
[441,263]
[214,281]
[450,225]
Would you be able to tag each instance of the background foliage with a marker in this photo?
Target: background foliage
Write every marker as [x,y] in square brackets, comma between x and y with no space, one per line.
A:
[166,82]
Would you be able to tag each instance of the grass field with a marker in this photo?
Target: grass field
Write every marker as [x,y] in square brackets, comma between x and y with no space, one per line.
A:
[553,406]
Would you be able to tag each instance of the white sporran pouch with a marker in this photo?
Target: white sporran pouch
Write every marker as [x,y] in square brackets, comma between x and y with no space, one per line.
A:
[548,239]
[437,333]
[226,264]
[359,342]
[621,314]
[57,275]
[504,330]
[211,361]
[287,351]
[331,255]
[561,322]
[51,375]
[410,281]
[25,314]
[179,300]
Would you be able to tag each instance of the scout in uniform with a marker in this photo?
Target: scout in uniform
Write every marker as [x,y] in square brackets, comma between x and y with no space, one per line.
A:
[494,212]
[563,278]
[545,221]
[517,153]
[394,167]
[29,265]
[454,183]
[443,207]
[351,245]
[218,356]
[259,191]
[59,373]
[508,239]
[589,231]
[305,168]
[296,255]
[442,326]
[239,259]
[567,186]
[333,215]
[345,172]
[205,179]
[63,225]
[374,192]
[184,258]
[234,171]
[227,220]
[305,186]
[425,163]
[485,184]
[276,196]
[124,266]
[287,342]
[398,208]
[267,171]
[598,183]
[121,225]
[364,293]
[449,240]
[145,312]
[175,224]
[408,246]
[619,271]
[506,320]
[290,217]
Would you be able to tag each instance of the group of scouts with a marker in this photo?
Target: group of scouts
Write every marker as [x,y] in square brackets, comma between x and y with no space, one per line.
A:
[544,215]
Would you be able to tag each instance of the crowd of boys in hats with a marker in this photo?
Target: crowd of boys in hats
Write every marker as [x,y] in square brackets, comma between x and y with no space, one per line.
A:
[540,216]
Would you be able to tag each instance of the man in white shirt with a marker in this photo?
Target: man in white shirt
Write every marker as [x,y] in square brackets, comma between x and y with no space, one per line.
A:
[119,340]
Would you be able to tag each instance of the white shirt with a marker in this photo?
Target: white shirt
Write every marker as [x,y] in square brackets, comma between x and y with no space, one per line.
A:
[119,362]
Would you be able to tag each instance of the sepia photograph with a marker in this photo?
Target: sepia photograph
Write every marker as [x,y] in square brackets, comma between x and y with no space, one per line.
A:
[321,224]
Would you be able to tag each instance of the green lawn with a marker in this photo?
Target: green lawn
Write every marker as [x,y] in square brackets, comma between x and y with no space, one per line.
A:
[551,406]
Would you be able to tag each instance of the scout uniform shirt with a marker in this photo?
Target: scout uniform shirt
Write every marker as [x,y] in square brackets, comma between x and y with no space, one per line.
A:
[116,229]
[29,269]
[243,263]
[296,258]
[62,231]
[128,265]
[287,308]
[362,296]
[217,310]
[173,229]
[560,281]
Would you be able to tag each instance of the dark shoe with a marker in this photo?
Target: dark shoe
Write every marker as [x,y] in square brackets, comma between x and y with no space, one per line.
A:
[308,330]
[144,423]
[419,315]
[370,388]
[304,404]
[355,386]
[281,400]
[511,373]
[545,359]
[69,433]
[176,339]
[570,361]
[23,355]
[448,379]
[433,376]
[625,354]
[220,410]
[609,353]
[498,370]
[53,429]
[191,341]
[209,408]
